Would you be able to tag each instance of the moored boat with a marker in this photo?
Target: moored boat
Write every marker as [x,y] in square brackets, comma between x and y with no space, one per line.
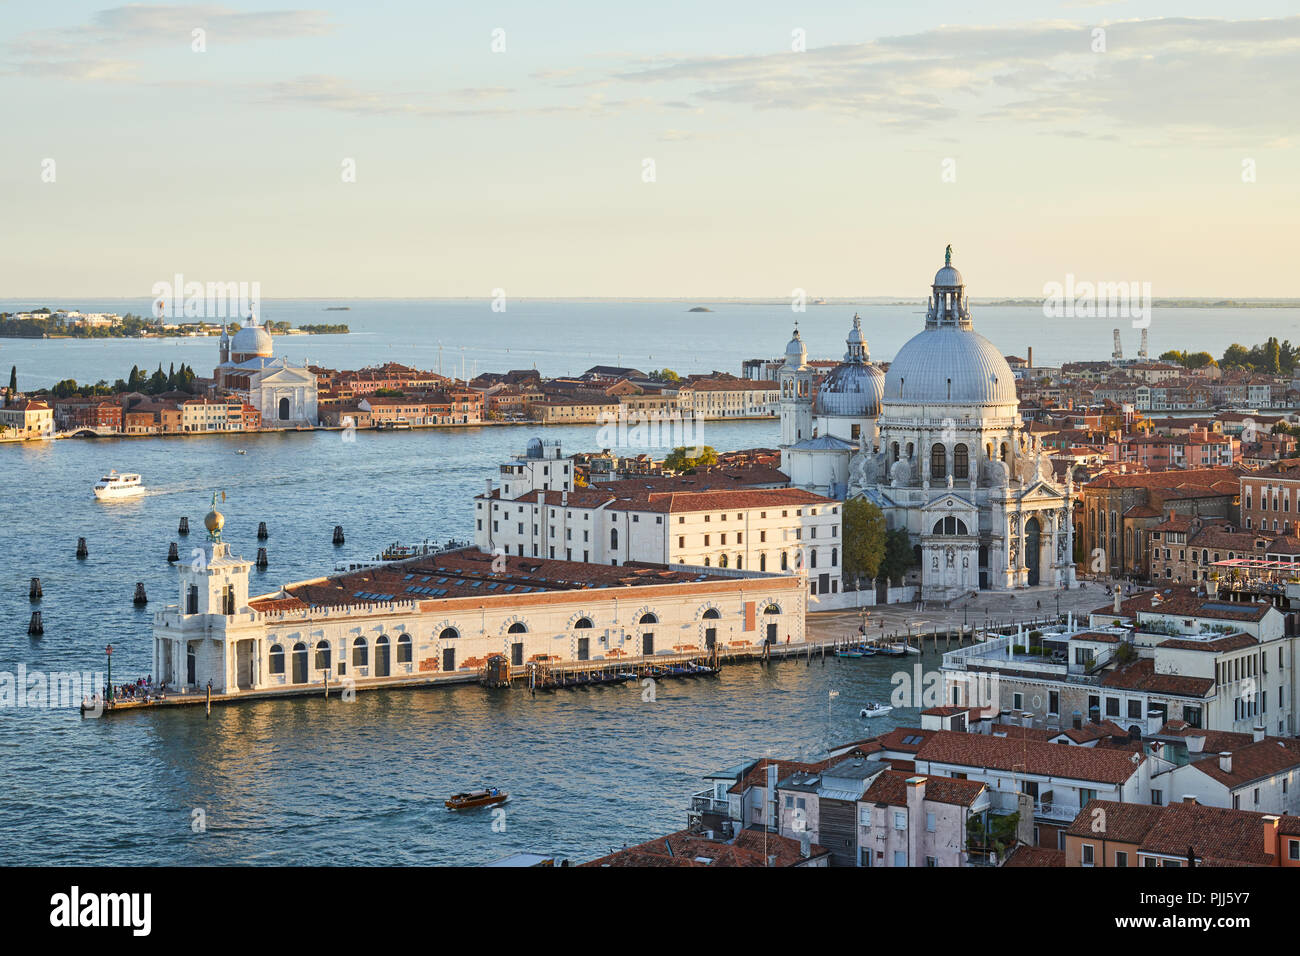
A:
[477,798]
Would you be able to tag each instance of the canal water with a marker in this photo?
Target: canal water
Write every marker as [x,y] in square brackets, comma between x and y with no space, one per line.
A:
[308,781]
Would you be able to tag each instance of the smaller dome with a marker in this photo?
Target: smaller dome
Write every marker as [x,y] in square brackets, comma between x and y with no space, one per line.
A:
[214,521]
[948,277]
[852,390]
[795,352]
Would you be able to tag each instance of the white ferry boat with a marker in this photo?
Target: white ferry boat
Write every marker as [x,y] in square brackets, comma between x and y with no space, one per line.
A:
[113,486]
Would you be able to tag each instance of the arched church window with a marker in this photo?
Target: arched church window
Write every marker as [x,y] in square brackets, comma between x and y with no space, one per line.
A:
[960,462]
[938,460]
[1004,451]
[895,451]
[911,451]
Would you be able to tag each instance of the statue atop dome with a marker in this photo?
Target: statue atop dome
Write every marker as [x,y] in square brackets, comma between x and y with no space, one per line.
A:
[947,255]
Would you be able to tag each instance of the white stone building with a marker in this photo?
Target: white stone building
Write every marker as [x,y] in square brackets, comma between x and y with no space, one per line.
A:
[950,462]
[284,394]
[538,513]
[446,613]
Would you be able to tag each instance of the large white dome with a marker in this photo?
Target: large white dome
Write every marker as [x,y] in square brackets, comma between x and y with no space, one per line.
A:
[252,340]
[950,365]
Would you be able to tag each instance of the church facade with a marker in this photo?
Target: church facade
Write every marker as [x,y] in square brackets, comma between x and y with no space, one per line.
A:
[952,464]
[285,394]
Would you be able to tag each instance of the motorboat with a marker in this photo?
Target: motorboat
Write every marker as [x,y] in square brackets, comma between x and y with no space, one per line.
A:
[114,485]
[477,798]
[874,710]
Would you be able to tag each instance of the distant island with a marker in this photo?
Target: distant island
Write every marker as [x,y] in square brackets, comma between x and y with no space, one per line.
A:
[44,323]
[699,308]
[338,308]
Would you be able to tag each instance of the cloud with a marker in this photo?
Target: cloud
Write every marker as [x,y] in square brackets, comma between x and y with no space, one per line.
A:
[1194,78]
[73,52]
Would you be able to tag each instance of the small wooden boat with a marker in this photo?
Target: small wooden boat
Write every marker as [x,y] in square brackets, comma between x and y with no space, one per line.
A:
[477,798]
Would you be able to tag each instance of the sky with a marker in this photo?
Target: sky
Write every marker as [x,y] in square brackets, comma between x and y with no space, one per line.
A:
[674,149]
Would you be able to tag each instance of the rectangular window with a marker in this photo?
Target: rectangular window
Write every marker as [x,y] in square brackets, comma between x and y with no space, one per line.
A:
[1087,854]
[1121,858]
[929,822]
[900,820]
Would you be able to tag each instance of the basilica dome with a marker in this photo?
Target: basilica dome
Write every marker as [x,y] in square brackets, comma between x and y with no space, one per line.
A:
[252,341]
[854,388]
[948,362]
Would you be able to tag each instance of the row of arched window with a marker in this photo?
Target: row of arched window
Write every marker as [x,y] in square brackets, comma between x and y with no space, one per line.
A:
[939,457]
[725,562]
[324,652]
[298,655]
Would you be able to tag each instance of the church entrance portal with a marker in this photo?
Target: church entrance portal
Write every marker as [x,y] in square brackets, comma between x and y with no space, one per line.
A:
[1033,549]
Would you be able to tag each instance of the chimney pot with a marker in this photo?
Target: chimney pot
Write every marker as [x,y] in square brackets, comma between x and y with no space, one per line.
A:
[1225,762]
[1189,799]
[1259,733]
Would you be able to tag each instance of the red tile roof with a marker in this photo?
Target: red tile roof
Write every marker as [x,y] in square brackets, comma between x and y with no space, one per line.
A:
[1030,756]
[1217,836]
[687,848]
[1141,675]
[891,788]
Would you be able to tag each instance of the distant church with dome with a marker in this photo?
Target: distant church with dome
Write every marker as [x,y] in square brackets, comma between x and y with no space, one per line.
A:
[283,393]
[938,444]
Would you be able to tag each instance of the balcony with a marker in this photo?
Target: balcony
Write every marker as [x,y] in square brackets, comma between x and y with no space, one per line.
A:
[1059,812]
[706,802]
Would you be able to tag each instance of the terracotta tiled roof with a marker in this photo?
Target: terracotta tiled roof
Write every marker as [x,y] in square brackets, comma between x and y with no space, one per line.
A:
[1184,601]
[901,738]
[1025,855]
[1030,756]
[891,788]
[1253,762]
[685,848]
[1217,836]
[1141,676]
[1232,642]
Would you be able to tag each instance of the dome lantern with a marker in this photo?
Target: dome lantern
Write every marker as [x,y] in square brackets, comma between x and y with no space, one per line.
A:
[949,306]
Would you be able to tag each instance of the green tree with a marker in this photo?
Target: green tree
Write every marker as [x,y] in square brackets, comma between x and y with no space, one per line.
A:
[1235,356]
[681,459]
[898,555]
[13,381]
[864,538]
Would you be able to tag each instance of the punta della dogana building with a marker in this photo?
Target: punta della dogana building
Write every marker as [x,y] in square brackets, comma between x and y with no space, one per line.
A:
[443,615]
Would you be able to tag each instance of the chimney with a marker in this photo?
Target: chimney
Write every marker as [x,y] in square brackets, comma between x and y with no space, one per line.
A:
[1225,761]
[564,498]
[1189,799]
[1119,594]
[489,487]
[1259,733]
[541,499]
[805,845]
[1195,743]
[771,860]
[1271,839]
[1031,356]
[771,795]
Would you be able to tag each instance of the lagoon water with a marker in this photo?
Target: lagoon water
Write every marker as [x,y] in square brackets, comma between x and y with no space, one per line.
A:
[308,781]
[561,338]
